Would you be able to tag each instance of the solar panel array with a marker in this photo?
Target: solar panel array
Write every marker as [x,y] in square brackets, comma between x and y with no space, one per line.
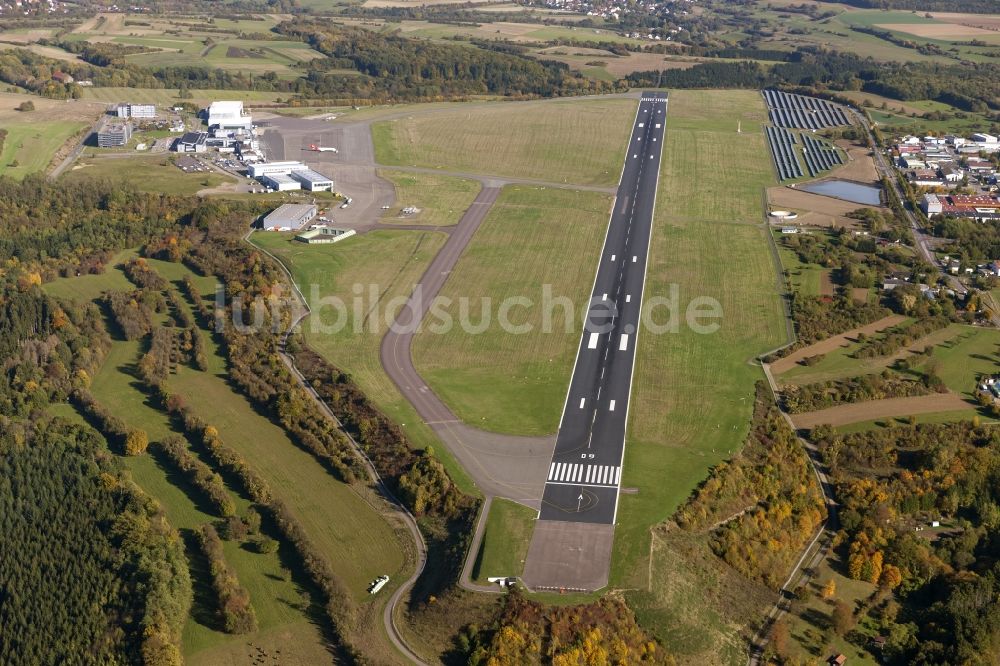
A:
[781,142]
[801,112]
[819,155]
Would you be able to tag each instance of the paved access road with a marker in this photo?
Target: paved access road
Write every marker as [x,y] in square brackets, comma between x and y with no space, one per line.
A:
[585,472]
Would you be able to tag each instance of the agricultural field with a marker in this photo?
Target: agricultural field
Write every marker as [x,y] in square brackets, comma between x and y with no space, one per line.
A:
[505,541]
[791,30]
[380,269]
[200,42]
[532,238]
[692,393]
[170,96]
[356,539]
[568,141]
[527,33]
[440,200]
[154,173]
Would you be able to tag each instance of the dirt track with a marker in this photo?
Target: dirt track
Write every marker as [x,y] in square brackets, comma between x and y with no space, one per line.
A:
[878,409]
[830,344]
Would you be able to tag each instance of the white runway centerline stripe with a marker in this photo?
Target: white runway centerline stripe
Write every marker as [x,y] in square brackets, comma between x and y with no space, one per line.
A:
[592,343]
[623,344]
[582,402]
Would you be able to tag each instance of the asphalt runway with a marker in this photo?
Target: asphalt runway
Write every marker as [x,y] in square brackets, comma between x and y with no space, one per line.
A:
[584,475]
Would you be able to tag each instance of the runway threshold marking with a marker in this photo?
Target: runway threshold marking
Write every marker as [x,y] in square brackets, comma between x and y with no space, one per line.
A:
[584,474]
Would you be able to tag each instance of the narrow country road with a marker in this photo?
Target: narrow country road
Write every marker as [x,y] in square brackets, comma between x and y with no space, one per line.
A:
[78,150]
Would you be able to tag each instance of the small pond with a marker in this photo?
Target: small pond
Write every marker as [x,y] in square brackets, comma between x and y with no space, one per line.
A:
[843,189]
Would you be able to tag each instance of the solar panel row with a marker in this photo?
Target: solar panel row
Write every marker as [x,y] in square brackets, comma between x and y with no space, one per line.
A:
[801,112]
[819,155]
[785,159]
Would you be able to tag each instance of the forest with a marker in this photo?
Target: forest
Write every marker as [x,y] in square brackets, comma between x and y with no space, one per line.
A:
[937,589]
[88,565]
[766,498]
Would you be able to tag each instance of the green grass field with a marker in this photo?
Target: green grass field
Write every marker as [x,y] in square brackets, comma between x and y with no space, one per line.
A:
[358,541]
[282,605]
[388,262]
[153,173]
[961,352]
[532,237]
[930,417]
[806,279]
[505,541]
[692,393]
[962,359]
[30,146]
[568,141]
[441,200]
[169,96]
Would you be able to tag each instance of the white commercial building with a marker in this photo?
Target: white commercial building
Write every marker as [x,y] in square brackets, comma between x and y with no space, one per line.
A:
[289,216]
[312,180]
[268,168]
[279,182]
[228,115]
[296,172]
[136,110]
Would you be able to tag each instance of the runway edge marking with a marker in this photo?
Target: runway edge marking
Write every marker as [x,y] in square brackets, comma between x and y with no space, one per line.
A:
[597,272]
[642,291]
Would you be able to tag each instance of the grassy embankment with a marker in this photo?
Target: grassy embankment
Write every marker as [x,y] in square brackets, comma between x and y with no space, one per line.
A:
[505,541]
[357,540]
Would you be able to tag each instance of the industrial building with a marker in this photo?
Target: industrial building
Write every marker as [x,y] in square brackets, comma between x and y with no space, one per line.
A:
[192,142]
[136,110]
[289,216]
[324,234]
[979,207]
[312,180]
[113,135]
[229,116]
[296,172]
[279,182]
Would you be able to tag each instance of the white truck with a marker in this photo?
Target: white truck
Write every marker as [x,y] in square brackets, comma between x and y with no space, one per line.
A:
[377,584]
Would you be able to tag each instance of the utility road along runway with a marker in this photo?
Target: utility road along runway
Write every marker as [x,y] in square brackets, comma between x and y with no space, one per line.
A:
[585,473]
